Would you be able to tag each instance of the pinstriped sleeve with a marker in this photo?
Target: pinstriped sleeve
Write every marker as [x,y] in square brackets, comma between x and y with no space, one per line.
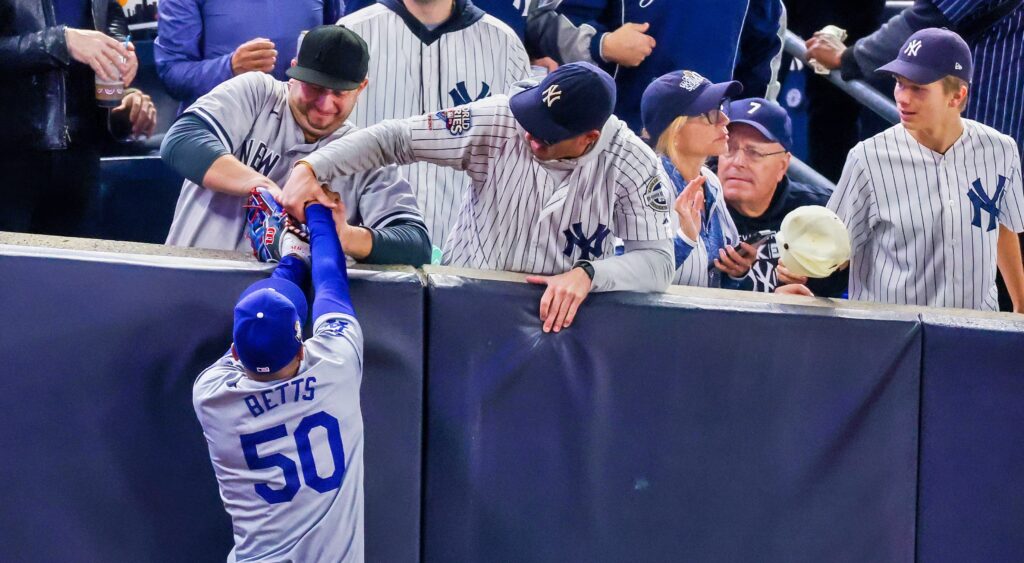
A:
[853,200]
[642,201]
[1012,213]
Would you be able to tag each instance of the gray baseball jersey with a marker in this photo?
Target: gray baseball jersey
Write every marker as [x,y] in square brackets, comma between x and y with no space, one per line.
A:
[288,454]
[250,115]
[923,225]
[521,214]
[411,74]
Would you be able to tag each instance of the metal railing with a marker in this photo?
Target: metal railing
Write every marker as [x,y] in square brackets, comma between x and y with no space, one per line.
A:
[858,89]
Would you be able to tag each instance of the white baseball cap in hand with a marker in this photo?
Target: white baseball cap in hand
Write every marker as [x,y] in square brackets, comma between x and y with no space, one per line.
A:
[813,242]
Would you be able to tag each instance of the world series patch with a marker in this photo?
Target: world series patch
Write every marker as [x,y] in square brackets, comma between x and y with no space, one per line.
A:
[456,120]
[654,195]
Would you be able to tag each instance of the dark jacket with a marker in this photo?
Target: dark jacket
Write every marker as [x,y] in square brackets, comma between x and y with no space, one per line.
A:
[788,196]
[39,75]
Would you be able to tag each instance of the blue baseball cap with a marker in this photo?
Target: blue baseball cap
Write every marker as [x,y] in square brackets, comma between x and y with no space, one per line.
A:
[575,98]
[932,54]
[681,93]
[769,118]
[269,317]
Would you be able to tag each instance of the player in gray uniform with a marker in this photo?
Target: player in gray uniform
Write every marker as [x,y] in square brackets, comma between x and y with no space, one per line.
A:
[931,202]
[555,178]
[250,130]
[426,56]
[282,418]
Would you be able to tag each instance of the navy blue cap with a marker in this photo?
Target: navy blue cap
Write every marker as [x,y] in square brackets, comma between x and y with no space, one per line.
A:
[268,324]
[769,118]
[932,54]
[574,99]
[681,93]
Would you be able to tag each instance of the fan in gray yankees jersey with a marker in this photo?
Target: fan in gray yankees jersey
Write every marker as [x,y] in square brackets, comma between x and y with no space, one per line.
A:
[250,131]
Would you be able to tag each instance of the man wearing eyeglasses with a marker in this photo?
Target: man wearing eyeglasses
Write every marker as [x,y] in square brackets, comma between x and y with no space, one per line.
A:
[250,131]
[759,194]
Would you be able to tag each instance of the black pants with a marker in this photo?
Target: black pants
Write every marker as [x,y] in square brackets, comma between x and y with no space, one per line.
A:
[50,192]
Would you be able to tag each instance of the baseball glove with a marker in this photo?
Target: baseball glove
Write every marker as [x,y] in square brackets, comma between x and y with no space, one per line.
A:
[273,233]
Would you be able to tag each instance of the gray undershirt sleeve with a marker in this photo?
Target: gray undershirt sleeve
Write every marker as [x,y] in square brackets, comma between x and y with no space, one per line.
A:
[402,242]
[550,34]
[645,266]
[190,148]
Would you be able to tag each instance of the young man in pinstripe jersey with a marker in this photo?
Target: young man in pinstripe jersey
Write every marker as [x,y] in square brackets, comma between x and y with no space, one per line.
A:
[555,178]
[932,204]
[427,55]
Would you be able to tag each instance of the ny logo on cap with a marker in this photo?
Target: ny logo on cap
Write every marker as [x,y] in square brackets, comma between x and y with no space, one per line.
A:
[912,48]
[552,95]
[691,80]
[958,67]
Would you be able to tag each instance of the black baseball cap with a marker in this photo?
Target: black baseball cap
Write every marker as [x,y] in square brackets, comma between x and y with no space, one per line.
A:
[332,56]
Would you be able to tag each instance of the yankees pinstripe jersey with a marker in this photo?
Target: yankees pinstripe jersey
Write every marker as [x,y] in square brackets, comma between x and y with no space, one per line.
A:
[997,93]
[251,117]
[923,225]
[288,454]
[414,71]
[521,214]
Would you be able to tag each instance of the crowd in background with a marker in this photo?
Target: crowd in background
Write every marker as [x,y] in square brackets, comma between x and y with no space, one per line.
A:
[724,167]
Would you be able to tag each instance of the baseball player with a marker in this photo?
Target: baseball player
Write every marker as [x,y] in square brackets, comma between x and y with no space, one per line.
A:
[282,418]
[426,56]
[555,179]
[250,130]
[930,202]
[685,122]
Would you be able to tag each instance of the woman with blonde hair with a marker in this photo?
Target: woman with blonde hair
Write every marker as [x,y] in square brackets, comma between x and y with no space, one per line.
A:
[685,123]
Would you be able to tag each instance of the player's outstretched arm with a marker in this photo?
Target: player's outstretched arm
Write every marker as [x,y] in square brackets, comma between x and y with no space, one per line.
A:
[330,275]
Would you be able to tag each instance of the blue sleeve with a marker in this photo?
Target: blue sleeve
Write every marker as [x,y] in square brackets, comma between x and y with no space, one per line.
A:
[333,10]
[179,62]
[759,45]
[330,273]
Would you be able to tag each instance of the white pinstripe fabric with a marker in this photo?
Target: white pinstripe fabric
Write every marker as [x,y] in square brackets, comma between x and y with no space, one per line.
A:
[916,235]
[408,77]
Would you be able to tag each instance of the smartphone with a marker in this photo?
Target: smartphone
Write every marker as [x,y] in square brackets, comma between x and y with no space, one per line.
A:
[755,240]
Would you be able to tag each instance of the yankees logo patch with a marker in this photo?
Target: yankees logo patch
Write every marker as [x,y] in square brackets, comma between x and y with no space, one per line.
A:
[654,195]
[456,120]
[552,95]
[691,80]
[981,201]
[590,247]
[460,93]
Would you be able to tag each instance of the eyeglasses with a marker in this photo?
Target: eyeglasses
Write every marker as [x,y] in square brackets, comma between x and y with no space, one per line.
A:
[314,91]
[752,155]
[714,116]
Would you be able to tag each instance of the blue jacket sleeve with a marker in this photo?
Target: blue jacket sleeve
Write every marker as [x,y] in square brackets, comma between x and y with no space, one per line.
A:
[330,273]
[179,63]
[760,49]
[333,10]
